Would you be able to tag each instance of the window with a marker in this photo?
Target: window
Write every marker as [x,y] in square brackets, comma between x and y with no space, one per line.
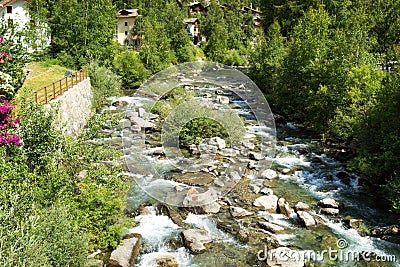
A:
[126,24]
[126,33]
[9,9]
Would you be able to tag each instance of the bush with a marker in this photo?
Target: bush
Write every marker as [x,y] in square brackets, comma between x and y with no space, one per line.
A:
[104,84]
[197,129]
[129,67]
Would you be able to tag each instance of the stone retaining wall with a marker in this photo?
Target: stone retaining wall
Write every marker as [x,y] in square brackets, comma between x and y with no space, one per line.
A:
[74,107]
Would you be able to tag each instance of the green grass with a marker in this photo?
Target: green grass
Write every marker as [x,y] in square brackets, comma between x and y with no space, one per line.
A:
[41,74]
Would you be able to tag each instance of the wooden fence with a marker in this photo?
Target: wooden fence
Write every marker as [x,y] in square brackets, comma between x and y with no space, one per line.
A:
[47,93]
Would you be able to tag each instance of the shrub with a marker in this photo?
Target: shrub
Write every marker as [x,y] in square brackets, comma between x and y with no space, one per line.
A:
[129,67]
[104,84]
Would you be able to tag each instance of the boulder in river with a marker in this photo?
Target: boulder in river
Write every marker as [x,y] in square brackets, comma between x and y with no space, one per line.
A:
[306,218]
[217,141]
[256,156]
[330,211]
[268,203]
[329,203]
[269,174]
[358,225]
[301,206]
[285,257]
[388,233]
[272,227]
[238,212]
[254,188]
[223,99]
[284,207]
[120,103]
[196,240]
[166,261]
[143,124]
[126,253]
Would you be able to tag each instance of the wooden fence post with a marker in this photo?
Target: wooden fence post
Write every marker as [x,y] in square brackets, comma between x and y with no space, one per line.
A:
[54,91]
[45,95]
[36,98]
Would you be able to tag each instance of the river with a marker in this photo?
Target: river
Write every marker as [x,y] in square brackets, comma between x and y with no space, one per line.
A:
[307,172]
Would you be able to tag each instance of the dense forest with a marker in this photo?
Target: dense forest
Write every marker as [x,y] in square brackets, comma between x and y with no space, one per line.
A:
[329,65]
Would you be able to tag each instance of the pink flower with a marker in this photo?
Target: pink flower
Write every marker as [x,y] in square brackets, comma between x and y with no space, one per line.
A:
[1,40]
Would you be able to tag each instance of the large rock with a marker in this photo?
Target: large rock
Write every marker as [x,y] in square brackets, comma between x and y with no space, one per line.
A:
[328,203]
[301,206]
[271,227]
[285,257]
[125,254]
[166,261]
[218,142]
[228,152]
[223,99]
[143,124]
[208,149]
[248,144]
[388,233]
[284,207]
[268,203]
[205,202]
[254,188]
[212,207]
[306,218]
[238,212]
[358,225]
[256,156]
[330,211]
[196,240]
[269,174]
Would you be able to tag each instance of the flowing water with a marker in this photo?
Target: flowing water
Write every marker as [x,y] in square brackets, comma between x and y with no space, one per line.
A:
[315,175]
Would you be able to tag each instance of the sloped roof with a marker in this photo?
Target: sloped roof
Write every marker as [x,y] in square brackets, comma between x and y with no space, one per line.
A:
[126,13]
[6,2]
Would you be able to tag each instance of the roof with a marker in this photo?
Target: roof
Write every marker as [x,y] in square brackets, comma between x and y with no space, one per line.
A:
[252,10]
[191,20]
[126,13]
[4,3]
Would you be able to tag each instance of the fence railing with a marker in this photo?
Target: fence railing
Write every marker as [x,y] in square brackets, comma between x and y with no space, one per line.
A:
[47,93]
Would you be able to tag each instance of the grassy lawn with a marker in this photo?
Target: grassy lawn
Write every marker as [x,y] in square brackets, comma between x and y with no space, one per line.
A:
[40,74]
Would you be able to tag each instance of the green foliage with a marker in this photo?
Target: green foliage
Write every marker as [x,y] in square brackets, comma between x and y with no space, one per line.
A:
[59,198]
[60,240]
[41,140]
[217,45]
[104,84]
[83,30]
[197,129]
[266,61]
[128,66]
[12,45]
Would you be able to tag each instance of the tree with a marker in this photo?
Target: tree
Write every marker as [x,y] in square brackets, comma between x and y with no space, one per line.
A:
[128,66]
[266,61]
[217,45]
[83,31]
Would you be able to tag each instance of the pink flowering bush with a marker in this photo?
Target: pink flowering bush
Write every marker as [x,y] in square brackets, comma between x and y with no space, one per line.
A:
[7,123]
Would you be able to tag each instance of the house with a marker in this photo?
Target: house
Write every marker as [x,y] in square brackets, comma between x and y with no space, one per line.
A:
[15,12]
[192,29]
[129,29]
[197,8]
[256,14]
